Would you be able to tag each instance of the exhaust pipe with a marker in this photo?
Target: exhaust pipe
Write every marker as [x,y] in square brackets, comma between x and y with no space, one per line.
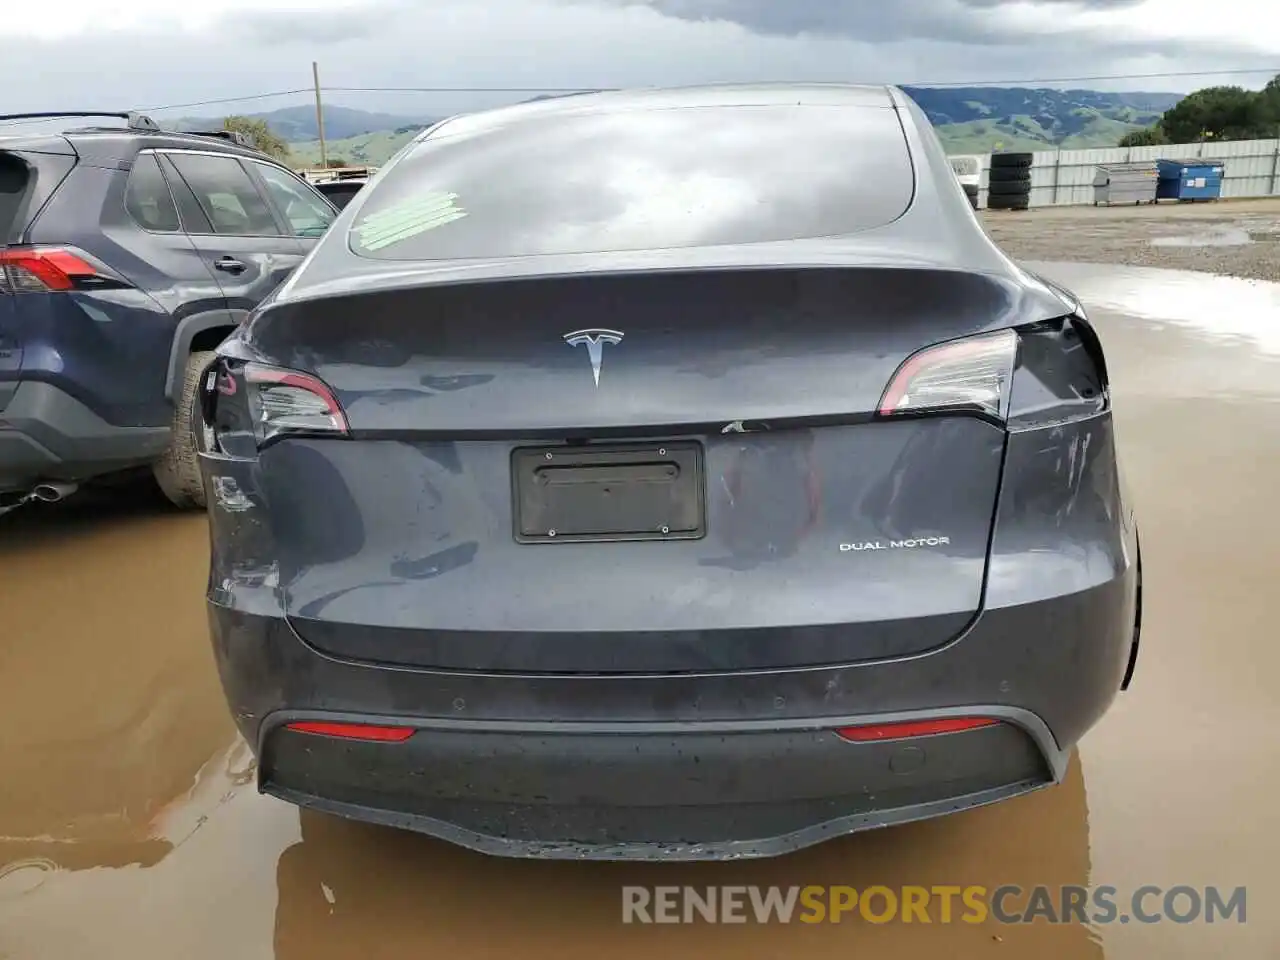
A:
[53,492]
[43,492]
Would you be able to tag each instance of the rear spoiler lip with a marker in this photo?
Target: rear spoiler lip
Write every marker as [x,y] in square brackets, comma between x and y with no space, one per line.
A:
[389,275]
[1027,300]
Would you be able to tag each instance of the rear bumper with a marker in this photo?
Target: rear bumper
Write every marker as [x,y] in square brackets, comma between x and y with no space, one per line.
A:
[692,766]
[614,792]
[46,434]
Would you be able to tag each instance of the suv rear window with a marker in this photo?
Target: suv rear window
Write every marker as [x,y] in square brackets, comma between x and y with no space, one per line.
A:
[13,188]
[640,179]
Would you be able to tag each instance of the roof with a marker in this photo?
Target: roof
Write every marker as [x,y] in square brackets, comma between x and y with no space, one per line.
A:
[671,98]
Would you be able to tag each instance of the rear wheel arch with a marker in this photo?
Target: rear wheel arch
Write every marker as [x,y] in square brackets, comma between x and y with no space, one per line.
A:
[197,333]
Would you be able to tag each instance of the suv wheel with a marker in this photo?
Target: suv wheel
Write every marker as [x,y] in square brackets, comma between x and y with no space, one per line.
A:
[177,472]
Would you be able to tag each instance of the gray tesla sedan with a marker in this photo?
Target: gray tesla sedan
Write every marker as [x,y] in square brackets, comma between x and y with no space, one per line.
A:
[665,474]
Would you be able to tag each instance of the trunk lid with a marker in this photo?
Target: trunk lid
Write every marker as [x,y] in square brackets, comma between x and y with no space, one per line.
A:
[511,358]
[805,533]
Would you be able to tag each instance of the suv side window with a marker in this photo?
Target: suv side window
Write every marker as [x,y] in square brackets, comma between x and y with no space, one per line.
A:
[227,195]
[147,197]
[308,213]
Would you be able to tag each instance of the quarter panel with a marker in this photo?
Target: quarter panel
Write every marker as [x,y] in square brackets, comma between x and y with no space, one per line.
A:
[1060,527]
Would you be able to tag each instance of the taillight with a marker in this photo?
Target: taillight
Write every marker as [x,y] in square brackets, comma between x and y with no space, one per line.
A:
[287,402]
[970,375]
[46,269]
[1037,375]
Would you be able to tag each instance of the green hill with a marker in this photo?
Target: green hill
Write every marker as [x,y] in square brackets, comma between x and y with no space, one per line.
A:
[373,149]
[983,136]
[980,119]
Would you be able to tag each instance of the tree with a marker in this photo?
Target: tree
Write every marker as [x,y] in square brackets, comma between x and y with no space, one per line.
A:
[1146,137]
[1217,113]
[1270,97]
[335,163]
[260,135]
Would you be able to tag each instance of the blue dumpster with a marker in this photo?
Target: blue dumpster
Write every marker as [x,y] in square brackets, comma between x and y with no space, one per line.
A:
[1189,180]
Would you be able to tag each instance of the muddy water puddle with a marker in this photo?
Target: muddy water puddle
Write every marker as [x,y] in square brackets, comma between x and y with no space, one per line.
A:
[130,828]
[1226,237]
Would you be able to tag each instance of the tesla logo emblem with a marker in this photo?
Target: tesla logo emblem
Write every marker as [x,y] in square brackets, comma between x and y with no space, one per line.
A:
[594,341]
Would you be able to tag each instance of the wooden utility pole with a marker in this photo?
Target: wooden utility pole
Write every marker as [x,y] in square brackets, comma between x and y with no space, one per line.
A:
[315,76]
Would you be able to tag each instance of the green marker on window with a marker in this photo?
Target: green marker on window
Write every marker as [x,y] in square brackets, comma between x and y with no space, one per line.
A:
[408,219]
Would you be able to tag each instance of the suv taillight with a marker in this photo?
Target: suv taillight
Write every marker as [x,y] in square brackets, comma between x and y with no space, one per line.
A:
[47,269]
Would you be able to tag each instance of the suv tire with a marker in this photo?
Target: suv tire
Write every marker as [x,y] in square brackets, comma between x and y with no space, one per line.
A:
[177,472]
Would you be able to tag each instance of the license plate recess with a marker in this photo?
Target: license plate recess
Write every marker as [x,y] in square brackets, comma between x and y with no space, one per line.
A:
[632,491]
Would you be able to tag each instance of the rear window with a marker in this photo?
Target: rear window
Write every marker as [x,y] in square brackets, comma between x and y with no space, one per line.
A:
[639,180]
[13,188]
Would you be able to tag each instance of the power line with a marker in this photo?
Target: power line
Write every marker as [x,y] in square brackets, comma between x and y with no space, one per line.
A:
[463,89]
[227,100]
[927,83]
[1113,76]
[194,103]
[300,90]
[536,90]
[1021,82]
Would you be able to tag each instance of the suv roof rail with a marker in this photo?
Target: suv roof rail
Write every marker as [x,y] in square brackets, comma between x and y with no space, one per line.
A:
[234,136]
[135,120]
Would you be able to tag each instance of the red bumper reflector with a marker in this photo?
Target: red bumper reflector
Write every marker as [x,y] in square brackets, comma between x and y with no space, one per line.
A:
[912,728]
[353,731]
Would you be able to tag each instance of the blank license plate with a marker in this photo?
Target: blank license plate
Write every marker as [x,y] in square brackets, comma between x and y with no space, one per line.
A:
[622,492]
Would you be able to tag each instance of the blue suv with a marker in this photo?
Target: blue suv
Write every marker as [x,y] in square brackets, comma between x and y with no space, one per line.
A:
[127,254]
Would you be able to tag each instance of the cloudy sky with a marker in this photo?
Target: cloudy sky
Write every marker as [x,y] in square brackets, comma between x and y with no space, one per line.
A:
[160,53]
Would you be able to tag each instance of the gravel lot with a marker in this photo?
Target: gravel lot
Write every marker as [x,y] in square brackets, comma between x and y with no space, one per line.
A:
[1236,238]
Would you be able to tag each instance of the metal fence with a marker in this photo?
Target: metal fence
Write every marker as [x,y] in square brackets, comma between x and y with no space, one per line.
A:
[1251,168]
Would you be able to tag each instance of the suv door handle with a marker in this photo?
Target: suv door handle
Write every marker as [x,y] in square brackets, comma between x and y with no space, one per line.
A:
[229,265]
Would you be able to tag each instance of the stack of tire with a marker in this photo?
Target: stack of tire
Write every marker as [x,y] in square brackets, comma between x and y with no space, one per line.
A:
[1009,182]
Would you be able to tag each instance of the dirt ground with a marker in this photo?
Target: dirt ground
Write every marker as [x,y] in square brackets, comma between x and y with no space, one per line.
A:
[1235,238]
